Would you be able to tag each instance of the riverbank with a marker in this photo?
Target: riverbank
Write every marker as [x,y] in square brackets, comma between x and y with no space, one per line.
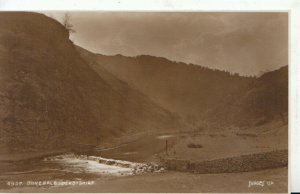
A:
[30,155]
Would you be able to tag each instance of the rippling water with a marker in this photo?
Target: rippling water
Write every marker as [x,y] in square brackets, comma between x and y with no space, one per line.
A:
[68,167]
[91,164]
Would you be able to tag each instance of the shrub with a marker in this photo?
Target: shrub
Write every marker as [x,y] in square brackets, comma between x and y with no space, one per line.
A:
[193,145]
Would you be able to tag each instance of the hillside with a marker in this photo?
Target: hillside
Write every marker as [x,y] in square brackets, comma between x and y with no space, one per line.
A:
[188,90]
[50,98]
[185,89]
[263,100]
[200,95]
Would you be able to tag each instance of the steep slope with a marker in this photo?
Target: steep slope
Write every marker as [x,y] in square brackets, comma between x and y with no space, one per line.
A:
[50,98]
[137,103]
[189,90]
[263,100]
[204,97]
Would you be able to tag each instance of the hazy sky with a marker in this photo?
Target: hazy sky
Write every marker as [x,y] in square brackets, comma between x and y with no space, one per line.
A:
[246,43]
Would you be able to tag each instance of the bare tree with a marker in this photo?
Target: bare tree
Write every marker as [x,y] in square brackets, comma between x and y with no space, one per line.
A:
[67,23]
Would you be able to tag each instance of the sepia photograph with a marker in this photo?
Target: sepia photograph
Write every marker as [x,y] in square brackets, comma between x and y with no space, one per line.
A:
[144,102]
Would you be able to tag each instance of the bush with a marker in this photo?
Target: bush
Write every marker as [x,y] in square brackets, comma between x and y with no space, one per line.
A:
[193,145]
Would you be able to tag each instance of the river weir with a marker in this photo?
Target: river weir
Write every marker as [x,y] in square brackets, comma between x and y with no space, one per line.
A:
[100,166]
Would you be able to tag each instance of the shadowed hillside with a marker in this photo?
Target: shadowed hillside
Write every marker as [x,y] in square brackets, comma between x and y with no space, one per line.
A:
[50,98]
[201,95]
[188,90]
[263,100]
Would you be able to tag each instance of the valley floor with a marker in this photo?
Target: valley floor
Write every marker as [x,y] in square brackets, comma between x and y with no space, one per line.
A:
[178,182]
[195,146]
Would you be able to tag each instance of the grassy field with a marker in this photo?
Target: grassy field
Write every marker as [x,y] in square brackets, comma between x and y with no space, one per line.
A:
[207,145]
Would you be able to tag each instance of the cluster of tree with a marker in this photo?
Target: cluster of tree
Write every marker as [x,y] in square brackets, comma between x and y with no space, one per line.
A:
[67,23]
